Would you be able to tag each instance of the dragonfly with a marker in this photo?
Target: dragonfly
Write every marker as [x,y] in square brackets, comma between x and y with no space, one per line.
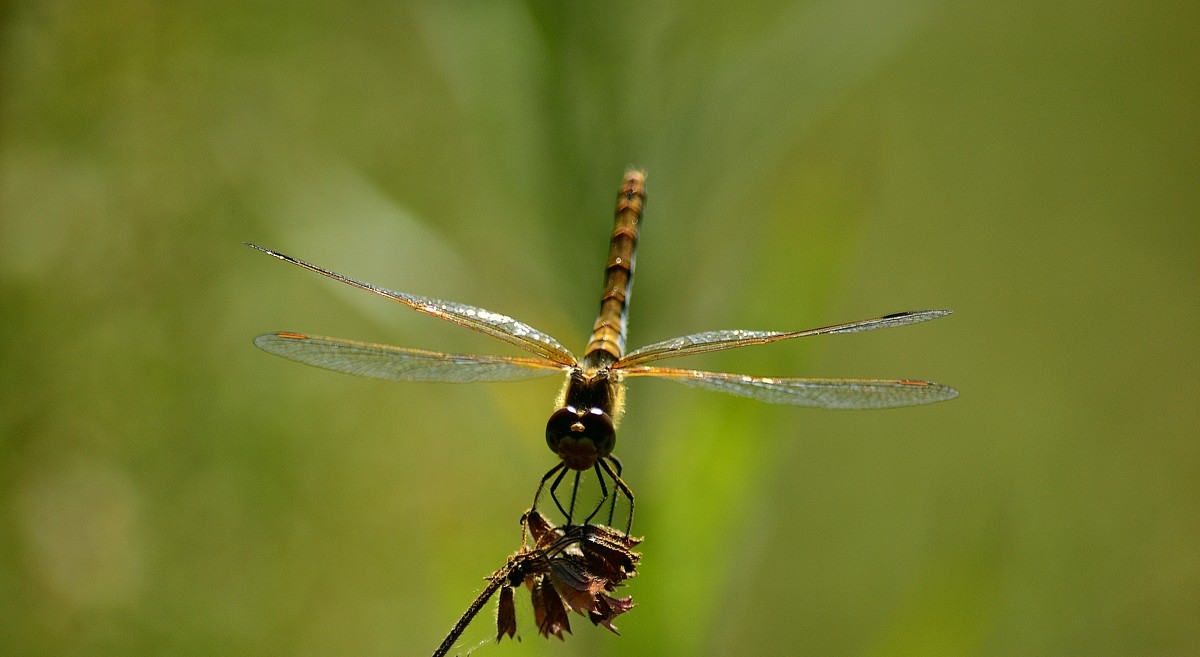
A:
[581,430]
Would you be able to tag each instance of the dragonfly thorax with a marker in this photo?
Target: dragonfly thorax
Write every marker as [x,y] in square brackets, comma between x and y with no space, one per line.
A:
[580,436]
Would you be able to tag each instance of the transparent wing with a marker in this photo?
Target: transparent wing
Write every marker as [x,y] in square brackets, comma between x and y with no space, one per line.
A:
[498,326]
[699,343]
[383,361]
[819,393]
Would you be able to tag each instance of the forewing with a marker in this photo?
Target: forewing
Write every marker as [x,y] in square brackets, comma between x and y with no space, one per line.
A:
[501,327]
[819,393]
[383,361]
[698,343]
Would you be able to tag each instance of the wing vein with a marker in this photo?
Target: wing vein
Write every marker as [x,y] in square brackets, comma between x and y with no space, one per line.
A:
[699,343]
[501,327]
[818,393]
[382,361]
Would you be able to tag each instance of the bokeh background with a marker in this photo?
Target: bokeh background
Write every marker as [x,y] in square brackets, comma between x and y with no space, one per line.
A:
[168,489]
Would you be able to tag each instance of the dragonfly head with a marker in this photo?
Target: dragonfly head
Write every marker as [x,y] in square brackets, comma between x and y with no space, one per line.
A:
[580,437]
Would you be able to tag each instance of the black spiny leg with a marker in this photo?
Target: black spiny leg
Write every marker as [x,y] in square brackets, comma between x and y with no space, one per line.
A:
[603,492]
[537,494]
[554,492]
[612,508]
[621,486]
[574,492]
[560,470]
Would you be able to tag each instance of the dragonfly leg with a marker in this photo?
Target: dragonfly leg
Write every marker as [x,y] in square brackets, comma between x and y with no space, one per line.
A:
[612,507]
[554,491]
[574,492]
[620,484]
[559,470]
[603,493]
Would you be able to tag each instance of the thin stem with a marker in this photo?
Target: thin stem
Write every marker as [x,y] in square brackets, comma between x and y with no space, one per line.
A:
[494,583]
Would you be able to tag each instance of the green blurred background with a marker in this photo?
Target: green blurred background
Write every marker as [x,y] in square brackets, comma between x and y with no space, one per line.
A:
[168,489]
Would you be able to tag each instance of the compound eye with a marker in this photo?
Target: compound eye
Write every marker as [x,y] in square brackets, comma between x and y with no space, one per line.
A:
[559,425]
[592,425]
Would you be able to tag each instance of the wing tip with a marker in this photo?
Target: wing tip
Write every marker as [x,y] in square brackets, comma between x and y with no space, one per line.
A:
[269,252]
[922,315]
[939,392]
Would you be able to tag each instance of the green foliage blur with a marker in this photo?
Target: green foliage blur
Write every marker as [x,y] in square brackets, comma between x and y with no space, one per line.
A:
[168,489]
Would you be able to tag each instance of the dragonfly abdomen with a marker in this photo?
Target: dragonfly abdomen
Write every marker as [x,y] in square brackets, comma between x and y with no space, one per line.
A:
[607,343]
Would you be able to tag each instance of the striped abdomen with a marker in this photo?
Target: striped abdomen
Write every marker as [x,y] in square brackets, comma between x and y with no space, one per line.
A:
[608,335]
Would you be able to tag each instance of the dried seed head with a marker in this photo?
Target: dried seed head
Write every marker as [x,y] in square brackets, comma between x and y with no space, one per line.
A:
[549,611]
[608,609]
[570,569]
[608,554]
[506,615]
[543,531]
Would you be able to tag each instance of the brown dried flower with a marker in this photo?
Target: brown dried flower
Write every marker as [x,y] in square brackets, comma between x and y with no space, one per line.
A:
[506,614]
[549,612]
[578,564]
[570,568]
